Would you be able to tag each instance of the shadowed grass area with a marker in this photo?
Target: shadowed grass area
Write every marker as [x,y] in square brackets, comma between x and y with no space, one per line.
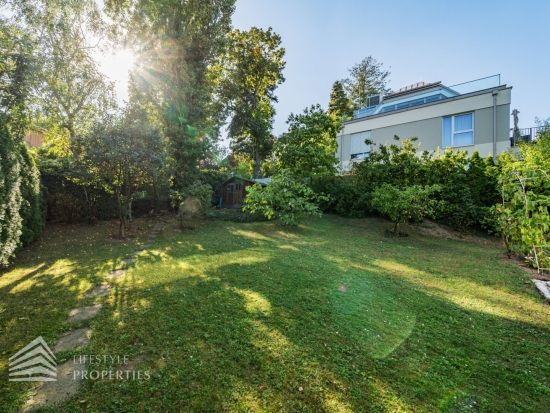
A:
[327,317]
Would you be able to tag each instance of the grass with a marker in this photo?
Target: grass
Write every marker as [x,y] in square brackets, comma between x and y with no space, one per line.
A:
[250,317]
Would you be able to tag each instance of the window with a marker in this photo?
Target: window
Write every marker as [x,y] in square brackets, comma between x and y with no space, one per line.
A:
[238,187]
[458,130]
[410,103]
[359,149]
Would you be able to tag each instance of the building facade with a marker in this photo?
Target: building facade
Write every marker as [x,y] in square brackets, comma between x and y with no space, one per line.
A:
[470,116]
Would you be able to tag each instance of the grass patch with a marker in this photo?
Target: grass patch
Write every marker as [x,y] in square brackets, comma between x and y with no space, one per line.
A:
[253,317]
[235,215]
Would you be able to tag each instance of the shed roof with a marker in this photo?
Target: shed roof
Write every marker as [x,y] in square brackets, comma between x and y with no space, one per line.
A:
[233,178]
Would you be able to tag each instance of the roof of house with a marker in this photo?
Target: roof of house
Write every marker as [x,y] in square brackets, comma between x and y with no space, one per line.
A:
[414,88]
[421,93]
[233,178]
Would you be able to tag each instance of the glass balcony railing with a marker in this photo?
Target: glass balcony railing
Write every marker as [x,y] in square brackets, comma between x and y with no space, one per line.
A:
[476,85]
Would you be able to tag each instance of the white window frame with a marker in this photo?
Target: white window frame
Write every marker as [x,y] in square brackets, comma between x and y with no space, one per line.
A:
[360,155]
[453,133]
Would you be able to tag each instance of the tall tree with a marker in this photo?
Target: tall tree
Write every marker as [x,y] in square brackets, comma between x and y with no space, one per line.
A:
[69,88]
[307,149]
[176,42]
[366,78]
[338,104]
[16,68]
[247,79]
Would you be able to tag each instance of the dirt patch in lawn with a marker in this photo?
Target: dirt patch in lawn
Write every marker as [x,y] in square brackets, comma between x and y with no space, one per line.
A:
[442,231]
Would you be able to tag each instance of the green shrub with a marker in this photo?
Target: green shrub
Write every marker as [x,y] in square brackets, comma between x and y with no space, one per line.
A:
[10,196]
[347,195]
[214,179]
[284,198]
[194,199]
[468,186]
[22,210]
[524,220]
[33,206]
[404,205]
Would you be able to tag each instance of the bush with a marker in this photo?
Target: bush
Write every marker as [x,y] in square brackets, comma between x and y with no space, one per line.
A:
[194,199]
[214,179]
[401,206]
[22,212]
[10,196]
[524,220]
[284,198]
[468,186]
[347,195]
[33,207]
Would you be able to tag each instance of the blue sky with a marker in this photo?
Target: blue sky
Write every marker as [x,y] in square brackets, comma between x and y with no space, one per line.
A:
[453,42]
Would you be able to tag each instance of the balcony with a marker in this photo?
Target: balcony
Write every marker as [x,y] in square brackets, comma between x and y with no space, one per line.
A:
[527,134]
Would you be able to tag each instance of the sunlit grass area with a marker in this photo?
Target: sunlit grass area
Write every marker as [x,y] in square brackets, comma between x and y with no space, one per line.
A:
[327,317]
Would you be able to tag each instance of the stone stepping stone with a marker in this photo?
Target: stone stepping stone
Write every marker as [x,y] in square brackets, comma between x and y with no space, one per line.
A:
[144,246]
[128,260]
[75,339]
[69,377]
[99,291]
[137,252]
[84,313]
[116,274]
[543,287]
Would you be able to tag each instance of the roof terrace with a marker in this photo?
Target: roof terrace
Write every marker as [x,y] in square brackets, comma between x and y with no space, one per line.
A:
[423,93]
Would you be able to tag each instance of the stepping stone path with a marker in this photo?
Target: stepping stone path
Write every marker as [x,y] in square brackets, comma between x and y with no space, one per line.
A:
[84,313]
[75,339]
[116,274]
[99,291]
[51,392]
[68,381]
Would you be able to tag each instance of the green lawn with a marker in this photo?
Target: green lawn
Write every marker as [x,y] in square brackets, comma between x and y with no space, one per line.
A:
[251,317]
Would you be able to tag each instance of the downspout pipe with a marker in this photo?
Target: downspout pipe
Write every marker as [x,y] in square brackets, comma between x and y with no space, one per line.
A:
[495,93]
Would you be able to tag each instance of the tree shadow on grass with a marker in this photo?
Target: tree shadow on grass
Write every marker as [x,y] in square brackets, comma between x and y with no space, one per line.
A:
[238,335]
[45,282]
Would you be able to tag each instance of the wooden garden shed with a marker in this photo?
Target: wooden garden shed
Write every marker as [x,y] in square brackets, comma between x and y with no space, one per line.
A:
[234,192]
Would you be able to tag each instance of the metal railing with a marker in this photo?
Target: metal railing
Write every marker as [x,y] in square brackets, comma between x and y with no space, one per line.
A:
[527,134]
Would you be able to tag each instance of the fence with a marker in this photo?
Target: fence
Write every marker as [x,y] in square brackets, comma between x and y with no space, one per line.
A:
[527,134]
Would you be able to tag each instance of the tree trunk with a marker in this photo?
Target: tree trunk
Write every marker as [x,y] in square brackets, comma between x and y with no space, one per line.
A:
[155,196]
[257,163]
[129,206]
[88,192]
[395,230]
[120,216]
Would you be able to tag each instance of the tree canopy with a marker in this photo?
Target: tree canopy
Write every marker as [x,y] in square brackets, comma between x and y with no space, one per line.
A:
[177,42]
[247,78]
[338,104]
[307,150]
[366,78]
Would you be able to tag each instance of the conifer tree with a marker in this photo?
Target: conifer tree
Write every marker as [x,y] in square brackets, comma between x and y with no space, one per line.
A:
[338,105]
